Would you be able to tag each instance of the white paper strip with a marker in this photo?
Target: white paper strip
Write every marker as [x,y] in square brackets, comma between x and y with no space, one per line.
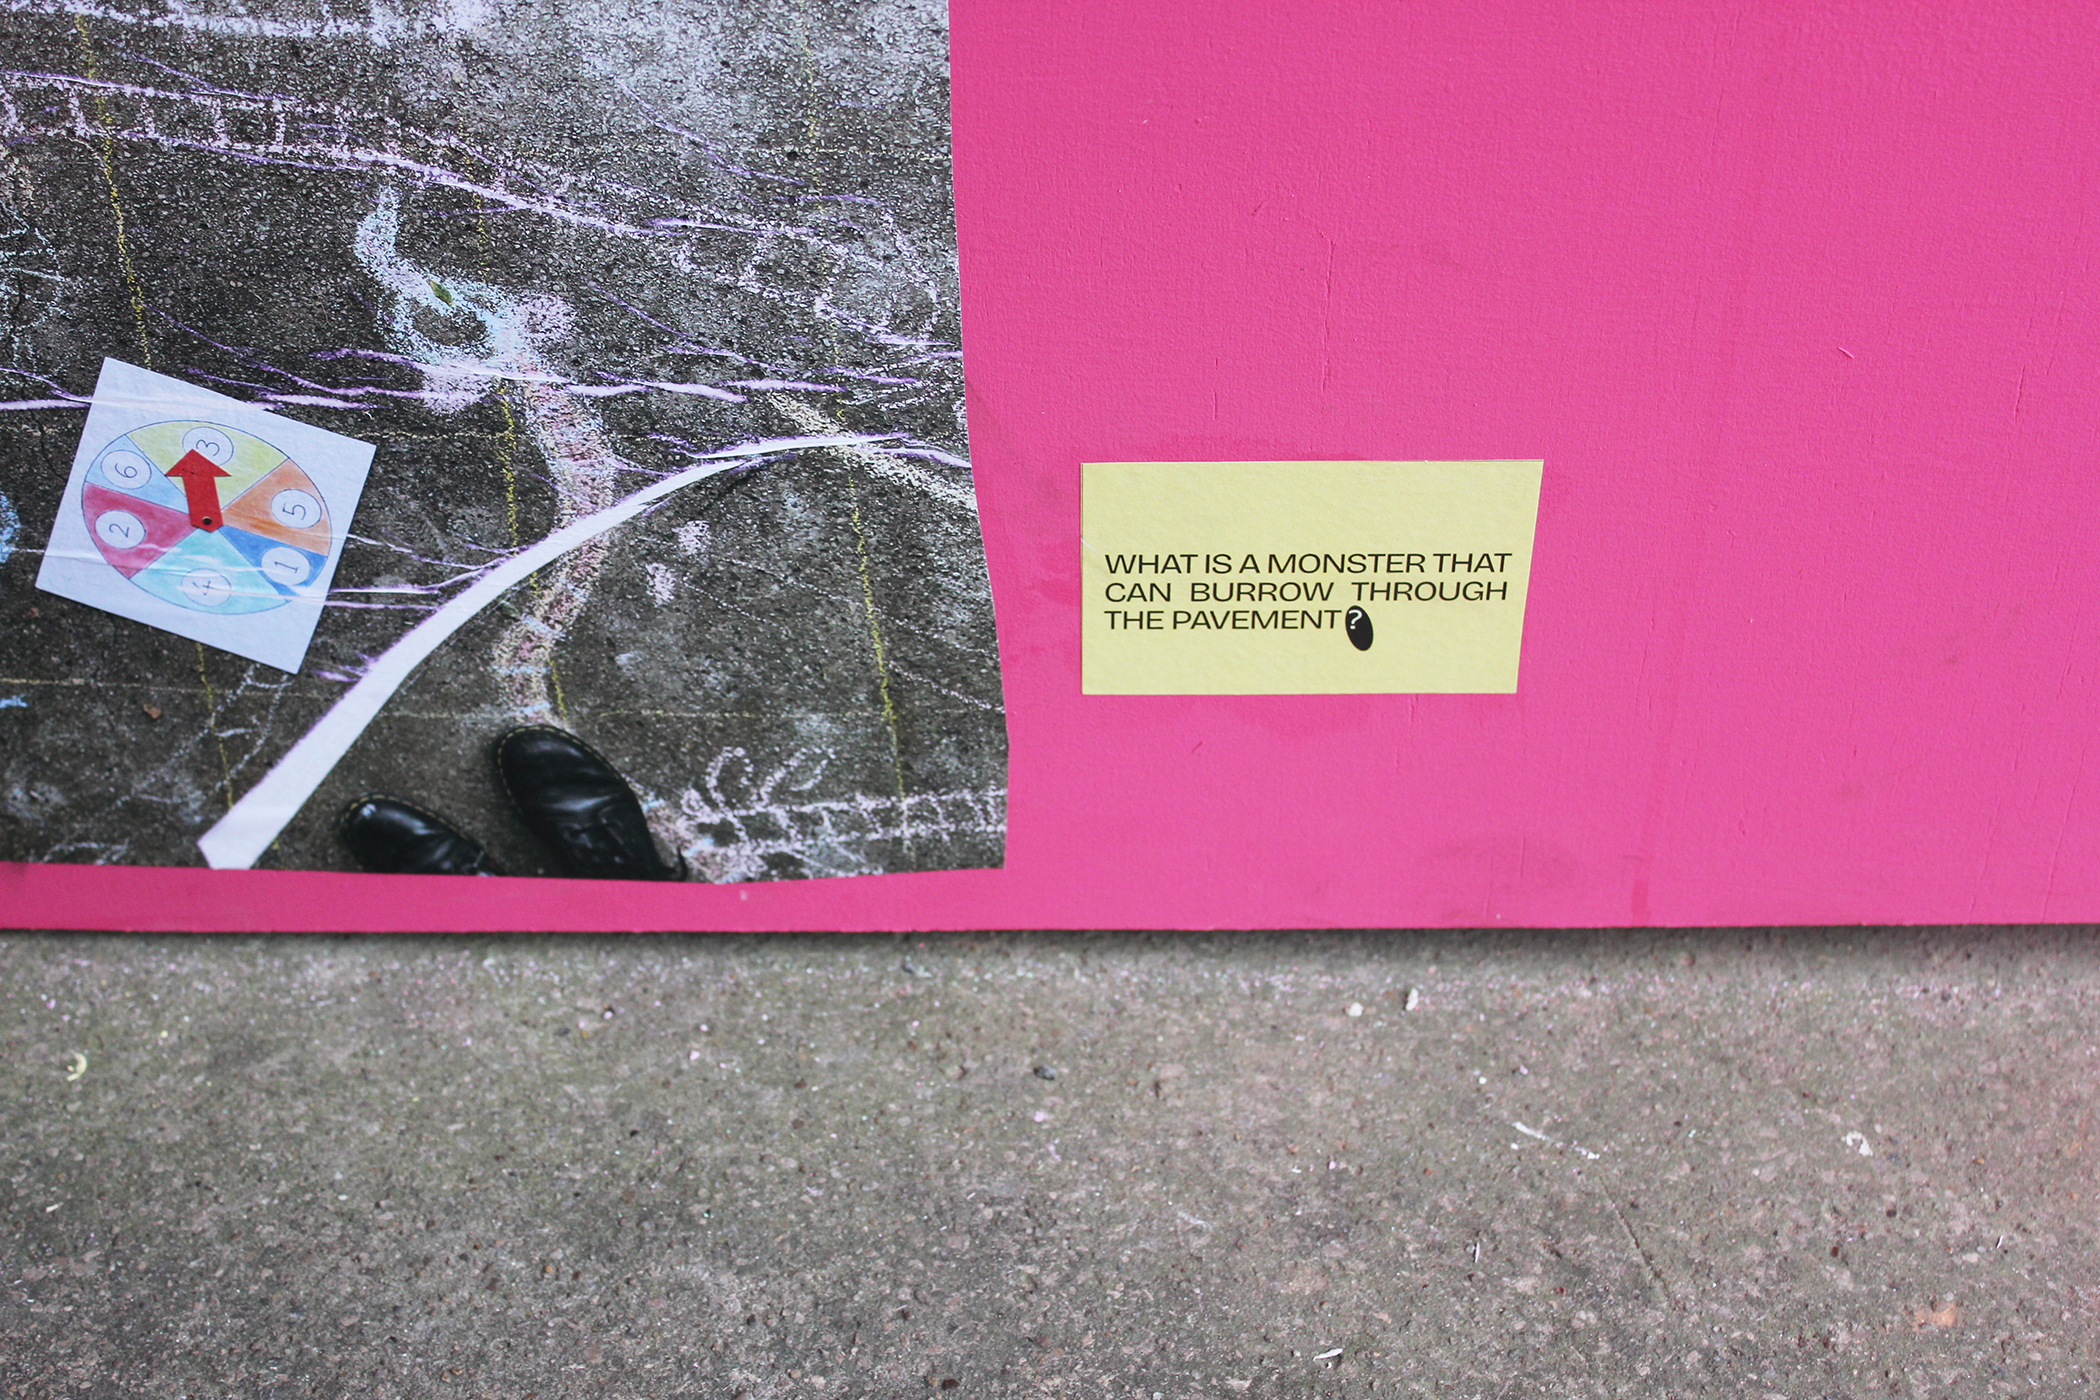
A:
[238,839]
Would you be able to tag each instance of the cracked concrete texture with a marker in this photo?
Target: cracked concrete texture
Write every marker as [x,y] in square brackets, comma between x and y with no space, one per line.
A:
[1800,1164]
[539,254]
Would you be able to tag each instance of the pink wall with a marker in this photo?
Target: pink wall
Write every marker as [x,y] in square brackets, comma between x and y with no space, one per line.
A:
[1798,304]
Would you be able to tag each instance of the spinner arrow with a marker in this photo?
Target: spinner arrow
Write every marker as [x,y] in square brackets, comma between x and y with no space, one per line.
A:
[199,477]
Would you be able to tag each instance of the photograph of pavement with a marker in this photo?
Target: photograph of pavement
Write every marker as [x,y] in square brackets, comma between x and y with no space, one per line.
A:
[1753,1163]
[541,265]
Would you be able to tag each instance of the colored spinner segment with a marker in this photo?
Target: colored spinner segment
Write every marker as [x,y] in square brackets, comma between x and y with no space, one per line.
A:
[272,545]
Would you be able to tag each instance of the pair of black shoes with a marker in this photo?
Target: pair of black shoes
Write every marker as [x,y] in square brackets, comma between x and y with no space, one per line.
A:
[568,796]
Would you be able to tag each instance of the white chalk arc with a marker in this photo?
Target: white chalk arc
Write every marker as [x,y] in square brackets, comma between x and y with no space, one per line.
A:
[238,839]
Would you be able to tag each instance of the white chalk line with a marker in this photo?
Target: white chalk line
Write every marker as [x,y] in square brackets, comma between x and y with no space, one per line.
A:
[238,839]
[381,29]
[877,463]
[394,151]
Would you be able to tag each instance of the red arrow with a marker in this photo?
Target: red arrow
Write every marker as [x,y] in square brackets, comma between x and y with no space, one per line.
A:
[199,477]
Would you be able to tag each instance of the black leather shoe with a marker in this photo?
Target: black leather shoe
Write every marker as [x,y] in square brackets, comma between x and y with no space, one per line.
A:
[391,837]
[578,806]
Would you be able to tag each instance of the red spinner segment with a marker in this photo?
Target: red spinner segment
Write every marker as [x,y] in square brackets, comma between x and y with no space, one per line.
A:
[131,532]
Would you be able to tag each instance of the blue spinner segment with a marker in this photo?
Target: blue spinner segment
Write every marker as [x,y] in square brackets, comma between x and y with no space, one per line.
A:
[288,567]
[207,574]
[122,466]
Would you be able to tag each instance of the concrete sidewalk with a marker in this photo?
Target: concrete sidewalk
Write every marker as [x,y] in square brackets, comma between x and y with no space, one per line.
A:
[1799,1163]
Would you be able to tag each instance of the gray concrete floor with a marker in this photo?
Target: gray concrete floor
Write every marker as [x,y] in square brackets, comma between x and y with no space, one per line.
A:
[1768,1163]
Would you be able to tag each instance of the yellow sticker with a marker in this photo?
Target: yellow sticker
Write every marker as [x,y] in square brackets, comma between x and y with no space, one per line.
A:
[1305,578]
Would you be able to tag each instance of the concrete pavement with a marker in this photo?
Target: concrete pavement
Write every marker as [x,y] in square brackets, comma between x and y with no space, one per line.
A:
[1746,1163]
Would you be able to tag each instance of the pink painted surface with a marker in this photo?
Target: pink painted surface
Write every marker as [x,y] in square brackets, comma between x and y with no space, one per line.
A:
[1798,304]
